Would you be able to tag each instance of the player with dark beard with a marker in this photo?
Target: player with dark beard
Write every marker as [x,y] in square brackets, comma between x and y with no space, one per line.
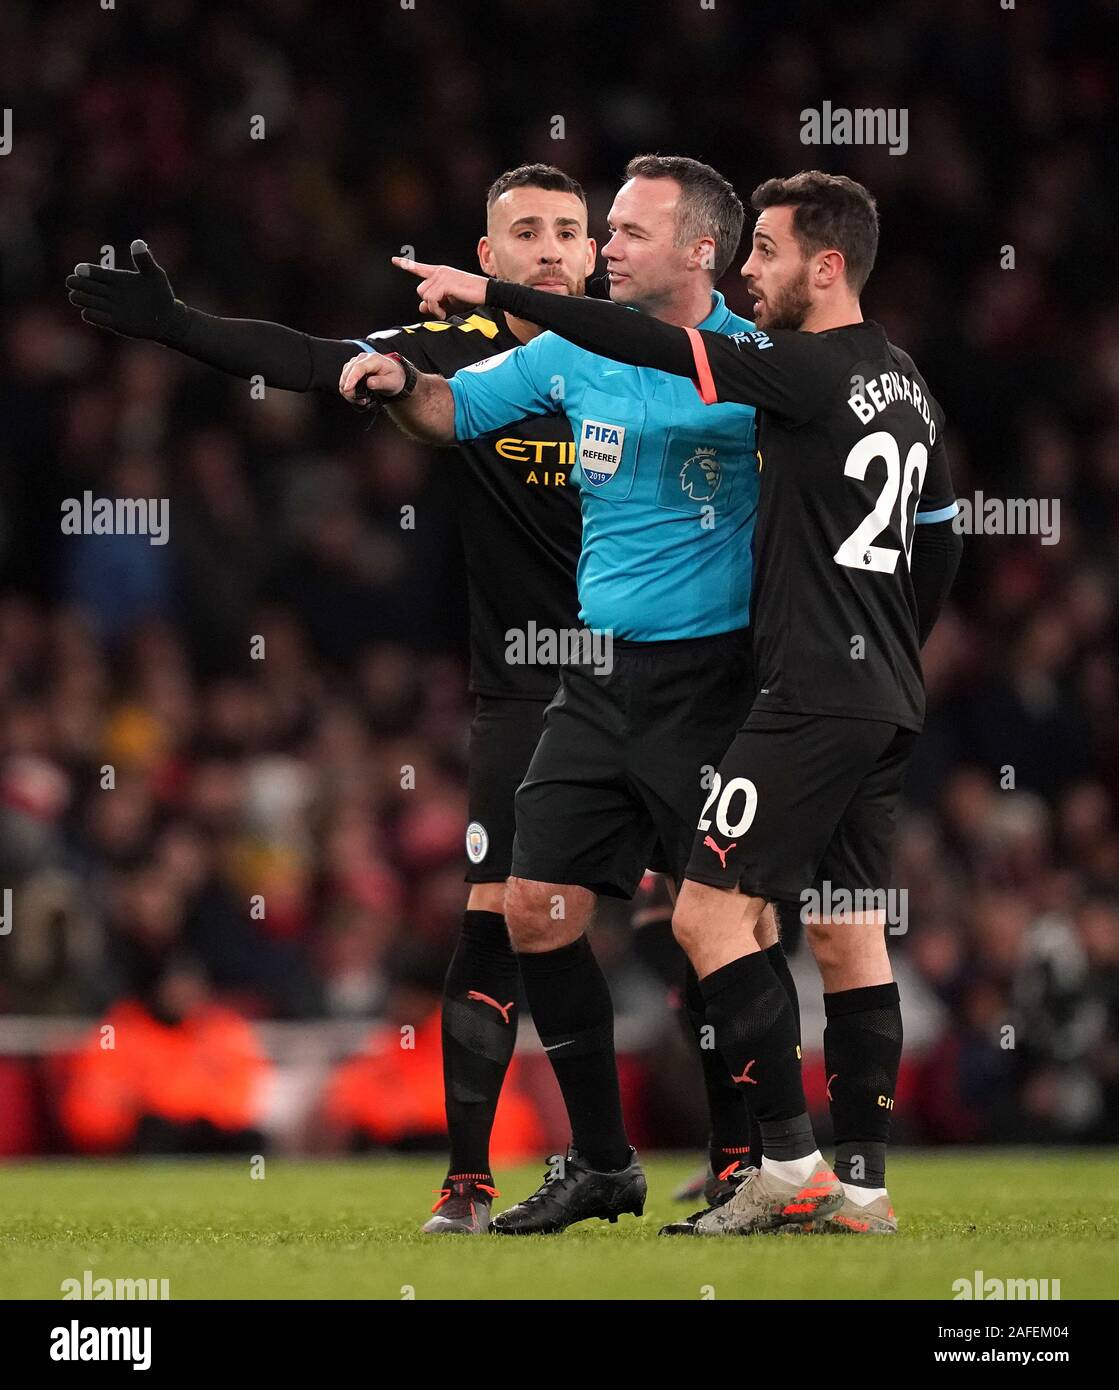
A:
[668,492]
[855,555]
[521,530]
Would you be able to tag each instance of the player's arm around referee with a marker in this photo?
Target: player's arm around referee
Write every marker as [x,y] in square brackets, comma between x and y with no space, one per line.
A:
[855,555]
[618,780]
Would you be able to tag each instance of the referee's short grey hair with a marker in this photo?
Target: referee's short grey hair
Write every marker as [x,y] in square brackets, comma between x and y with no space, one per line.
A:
[708,205]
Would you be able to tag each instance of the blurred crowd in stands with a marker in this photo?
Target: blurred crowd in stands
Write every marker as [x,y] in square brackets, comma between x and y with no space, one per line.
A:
[205,808]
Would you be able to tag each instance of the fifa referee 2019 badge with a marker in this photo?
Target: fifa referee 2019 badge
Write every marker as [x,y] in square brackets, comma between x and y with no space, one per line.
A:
[600,450]
[477,842]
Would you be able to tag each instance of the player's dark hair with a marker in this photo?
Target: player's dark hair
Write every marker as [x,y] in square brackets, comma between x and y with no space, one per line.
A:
[830,212]
[534,176]
[708,205]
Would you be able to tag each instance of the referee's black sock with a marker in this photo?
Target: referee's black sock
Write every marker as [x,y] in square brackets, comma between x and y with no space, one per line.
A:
[735,1138]
[479,1034]
[757,1035]
[574,1015]
[862,1054]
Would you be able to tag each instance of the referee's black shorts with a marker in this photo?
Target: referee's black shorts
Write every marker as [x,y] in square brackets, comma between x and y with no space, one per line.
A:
[503,737]
[618,779]
[803,801]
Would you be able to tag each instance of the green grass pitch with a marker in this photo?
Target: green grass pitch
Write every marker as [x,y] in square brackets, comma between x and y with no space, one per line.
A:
[349,1230]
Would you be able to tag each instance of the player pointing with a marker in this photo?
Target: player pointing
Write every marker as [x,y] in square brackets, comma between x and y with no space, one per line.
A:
[855,555]
[669,492]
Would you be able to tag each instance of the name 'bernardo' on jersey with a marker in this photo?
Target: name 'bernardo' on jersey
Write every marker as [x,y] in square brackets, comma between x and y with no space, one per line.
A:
[883,391]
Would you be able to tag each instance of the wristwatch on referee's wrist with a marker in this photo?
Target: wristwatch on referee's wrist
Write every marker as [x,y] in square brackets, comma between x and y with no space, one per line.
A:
[411,376]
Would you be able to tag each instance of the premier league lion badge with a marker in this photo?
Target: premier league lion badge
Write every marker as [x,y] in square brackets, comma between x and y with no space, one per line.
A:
[701,476]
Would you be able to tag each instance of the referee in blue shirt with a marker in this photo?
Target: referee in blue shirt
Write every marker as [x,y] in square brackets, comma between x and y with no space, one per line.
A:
[647,708]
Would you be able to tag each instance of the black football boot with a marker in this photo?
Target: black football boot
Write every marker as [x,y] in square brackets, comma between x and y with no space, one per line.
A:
[572,1191]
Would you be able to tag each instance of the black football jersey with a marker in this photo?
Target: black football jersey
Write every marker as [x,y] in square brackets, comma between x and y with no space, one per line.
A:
[852,459]
[520,515]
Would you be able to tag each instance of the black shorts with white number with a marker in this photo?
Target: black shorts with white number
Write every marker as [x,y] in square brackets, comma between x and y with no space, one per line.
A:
[503,737]
[802,800]
[620,773]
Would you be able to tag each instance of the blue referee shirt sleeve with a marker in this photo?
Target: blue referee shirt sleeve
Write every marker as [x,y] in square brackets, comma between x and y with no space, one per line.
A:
[500,390]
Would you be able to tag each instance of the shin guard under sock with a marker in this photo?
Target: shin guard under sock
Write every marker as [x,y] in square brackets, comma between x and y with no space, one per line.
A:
[479,1034]
[734,1137]
[574,1015]
[756,1032]
[862,1055]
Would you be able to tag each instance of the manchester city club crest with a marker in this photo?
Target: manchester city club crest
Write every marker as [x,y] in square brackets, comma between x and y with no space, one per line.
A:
[477,842]
[701,476]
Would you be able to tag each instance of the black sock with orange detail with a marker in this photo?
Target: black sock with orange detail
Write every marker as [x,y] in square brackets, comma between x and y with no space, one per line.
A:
[479,1034]
[862,1056]
[735,1139]
[756,1032]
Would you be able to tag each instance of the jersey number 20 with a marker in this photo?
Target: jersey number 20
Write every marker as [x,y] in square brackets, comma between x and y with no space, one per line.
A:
[722,810]
[857,551]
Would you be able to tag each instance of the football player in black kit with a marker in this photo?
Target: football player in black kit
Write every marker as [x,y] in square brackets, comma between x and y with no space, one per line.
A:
[854,555]
[521,528]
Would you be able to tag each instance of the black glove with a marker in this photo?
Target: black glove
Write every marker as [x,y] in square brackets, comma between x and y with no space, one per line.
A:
[367,400]
[137,303]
